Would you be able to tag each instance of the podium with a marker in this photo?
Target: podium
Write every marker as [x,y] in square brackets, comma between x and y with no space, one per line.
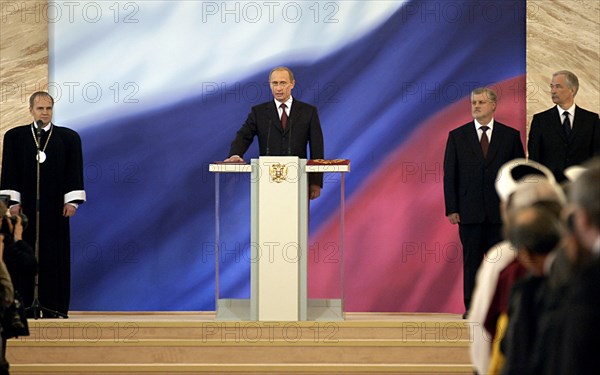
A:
[278,241]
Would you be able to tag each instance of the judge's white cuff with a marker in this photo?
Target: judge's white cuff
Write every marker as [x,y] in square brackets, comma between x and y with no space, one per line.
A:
[15,196]
[76,195]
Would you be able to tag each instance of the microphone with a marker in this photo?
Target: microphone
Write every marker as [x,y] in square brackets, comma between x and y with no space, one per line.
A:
[289,124]
[268,138]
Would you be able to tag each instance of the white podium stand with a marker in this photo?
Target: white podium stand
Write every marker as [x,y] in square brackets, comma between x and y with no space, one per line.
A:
[279,242]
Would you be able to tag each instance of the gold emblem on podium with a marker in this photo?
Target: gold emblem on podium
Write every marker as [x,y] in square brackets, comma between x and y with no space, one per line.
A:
[278,172]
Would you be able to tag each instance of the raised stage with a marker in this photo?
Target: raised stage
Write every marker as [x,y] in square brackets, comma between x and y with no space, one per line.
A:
[195,343]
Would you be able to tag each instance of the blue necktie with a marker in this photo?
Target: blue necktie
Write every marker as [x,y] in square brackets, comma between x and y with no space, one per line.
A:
[567,124]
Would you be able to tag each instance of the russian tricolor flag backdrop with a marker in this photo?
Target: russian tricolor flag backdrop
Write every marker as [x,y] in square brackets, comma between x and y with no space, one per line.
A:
[158,89]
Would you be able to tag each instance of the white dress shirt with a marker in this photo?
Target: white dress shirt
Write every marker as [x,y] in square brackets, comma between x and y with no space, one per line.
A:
[488,132]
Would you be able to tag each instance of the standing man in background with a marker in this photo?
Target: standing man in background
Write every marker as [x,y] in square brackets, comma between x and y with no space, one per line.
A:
[284,127]
[565,134]
[474,154]
[61,191]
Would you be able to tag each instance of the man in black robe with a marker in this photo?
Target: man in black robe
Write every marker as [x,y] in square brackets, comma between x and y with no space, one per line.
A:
[61,191]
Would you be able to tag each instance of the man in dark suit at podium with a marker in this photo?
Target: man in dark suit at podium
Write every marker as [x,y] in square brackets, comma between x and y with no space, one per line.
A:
[284,126]
[565,134]
[474,154]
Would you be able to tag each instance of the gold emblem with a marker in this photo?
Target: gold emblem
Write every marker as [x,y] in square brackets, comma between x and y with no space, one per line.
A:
[278,172]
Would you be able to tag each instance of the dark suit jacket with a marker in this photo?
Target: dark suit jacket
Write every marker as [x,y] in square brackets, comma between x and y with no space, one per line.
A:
[549,145]
[524,309]
[303,128]
[580,340]
[469,179]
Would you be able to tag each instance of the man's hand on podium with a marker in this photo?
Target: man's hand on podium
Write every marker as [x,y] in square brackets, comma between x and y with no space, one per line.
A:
[315,191]
[234,159]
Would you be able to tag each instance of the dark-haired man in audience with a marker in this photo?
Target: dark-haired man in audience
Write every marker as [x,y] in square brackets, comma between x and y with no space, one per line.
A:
[520,183]
[536,232]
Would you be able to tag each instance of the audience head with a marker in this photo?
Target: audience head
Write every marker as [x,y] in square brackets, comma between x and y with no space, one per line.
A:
[521,183]
[519,171]
[584,196]
[535,231]
[539,191]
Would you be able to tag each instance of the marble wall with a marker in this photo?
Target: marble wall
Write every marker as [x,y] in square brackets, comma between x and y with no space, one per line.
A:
[23,58]
[561,34]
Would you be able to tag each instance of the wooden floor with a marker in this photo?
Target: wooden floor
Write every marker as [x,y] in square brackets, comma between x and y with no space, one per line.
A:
[195,343]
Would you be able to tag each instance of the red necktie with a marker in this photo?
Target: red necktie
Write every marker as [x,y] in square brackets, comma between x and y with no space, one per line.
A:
[284,116]
[485,142]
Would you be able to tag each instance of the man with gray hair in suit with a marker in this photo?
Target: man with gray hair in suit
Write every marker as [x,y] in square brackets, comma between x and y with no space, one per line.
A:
[565,134]
[474,153]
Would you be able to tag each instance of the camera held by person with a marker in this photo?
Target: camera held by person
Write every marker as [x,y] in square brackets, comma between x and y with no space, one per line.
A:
[19,261]
[6,215]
